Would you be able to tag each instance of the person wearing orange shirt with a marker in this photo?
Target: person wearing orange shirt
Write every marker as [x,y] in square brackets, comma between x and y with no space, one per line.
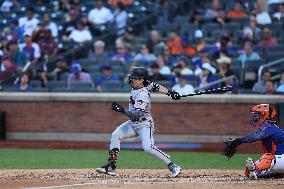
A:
[174,43]
[237,12]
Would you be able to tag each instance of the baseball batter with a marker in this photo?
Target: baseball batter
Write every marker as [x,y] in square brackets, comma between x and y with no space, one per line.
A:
[141,122]
[271,140]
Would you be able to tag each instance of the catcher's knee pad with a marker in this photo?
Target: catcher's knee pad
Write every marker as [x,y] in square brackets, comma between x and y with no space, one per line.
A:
[265,162]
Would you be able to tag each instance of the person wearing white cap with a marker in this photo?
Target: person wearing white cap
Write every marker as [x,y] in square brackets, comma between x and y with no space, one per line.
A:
[200,42]
[207,76]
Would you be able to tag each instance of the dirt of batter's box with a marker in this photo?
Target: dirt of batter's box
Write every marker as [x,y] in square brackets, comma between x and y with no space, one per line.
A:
[132,178]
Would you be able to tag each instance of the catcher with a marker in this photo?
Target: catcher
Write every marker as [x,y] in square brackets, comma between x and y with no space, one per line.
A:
[141,122]
[271,140]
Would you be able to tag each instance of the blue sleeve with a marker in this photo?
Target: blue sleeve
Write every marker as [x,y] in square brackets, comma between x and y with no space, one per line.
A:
[259,135]
[99,80]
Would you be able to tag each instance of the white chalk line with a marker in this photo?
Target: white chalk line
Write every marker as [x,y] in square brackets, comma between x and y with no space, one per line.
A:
[62,186]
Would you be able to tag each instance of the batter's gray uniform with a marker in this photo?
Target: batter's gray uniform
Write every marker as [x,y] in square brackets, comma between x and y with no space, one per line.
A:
[143,126]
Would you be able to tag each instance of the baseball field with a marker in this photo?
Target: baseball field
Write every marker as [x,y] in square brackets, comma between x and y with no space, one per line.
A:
[34,168]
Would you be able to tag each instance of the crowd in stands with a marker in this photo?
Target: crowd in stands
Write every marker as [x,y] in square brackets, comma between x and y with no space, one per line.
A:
[189,46]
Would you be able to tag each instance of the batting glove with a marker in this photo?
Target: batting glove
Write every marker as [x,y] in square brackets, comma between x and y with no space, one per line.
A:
[174,95]
[117,107]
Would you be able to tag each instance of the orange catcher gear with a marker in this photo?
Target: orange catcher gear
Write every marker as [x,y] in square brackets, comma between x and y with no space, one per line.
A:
[260,113]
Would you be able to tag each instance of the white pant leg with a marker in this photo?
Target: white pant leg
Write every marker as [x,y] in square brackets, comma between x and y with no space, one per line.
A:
[122,132]
[278,167]
[146,134]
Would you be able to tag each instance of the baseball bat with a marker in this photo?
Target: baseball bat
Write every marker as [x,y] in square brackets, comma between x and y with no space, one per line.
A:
[210,91]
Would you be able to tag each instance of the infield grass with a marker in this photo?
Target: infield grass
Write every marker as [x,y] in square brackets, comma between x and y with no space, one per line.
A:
[69,159]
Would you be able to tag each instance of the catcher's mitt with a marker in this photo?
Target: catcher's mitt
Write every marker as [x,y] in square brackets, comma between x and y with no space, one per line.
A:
[231,147]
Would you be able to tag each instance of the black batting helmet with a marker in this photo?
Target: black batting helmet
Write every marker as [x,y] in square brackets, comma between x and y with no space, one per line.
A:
[140,73]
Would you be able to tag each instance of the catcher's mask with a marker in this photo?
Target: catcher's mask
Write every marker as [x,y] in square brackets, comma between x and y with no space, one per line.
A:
[260,113]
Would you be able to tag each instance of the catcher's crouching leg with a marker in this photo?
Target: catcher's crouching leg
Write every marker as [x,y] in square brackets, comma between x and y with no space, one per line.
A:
[260,168]
[110,167]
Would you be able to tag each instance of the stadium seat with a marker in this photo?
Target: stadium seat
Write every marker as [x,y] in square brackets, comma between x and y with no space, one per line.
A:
[54,85]
[112,86]
[81,86]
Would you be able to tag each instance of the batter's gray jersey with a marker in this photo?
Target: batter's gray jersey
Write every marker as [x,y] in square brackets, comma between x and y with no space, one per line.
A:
[140,99]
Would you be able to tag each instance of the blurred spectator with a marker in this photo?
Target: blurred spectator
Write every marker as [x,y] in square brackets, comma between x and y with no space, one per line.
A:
[99,56]
[6,5]
[155,73]
[230,82]
[183,61]
[255,28]
[280,88]
[267,40]
[61,68]
[248,54]
[145,55]
[166,9]
[100,14]
[88,25]
[221,17]
[69,25]
[200,42]
[212,12]
[48,46]
[223,46]
[63,5]
[4,45]
[7,68]
[15,30]
[169,59]
[120,18]
[182,87]
[207,77]
[269,87]
[156,44]
[77,75]
[124,2]
[49,24]
[280,14]
[31,49]
[224,66]
[80,34]
[121,55]
[106,76]
[262,15]
[129,39]
[174,43]
[24,83]
[269,2]
[6,33]
[197,17]
[260,86]
[164,69]
[237,12]
[29,22]
[17,56]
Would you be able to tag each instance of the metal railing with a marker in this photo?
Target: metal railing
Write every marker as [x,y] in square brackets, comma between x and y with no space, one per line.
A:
[262,67]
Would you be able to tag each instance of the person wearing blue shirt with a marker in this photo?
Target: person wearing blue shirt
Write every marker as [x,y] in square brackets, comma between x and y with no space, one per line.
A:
[271,139]
[106,76]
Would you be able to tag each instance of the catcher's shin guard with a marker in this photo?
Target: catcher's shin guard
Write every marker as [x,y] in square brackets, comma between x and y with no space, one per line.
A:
[110,167]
